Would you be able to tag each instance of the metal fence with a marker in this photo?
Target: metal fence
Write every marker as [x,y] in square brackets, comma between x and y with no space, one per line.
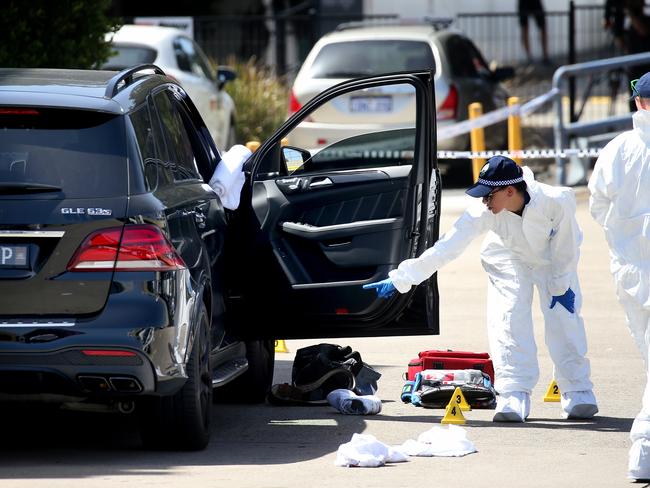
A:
[280,41]
[283,41]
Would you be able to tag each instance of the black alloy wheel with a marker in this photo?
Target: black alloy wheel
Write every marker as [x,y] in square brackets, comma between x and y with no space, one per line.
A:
[182,421]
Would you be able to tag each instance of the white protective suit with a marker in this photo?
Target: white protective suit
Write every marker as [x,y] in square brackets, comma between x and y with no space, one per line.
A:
[539,248]
[620,203]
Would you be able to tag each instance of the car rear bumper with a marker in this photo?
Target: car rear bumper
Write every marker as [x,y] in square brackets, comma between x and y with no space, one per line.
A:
[75,373]
[137,345]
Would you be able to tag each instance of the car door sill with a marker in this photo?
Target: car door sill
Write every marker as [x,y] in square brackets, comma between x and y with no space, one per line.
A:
[228,371]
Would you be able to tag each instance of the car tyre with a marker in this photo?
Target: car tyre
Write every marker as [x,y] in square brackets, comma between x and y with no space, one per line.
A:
[254,385]
[182,421]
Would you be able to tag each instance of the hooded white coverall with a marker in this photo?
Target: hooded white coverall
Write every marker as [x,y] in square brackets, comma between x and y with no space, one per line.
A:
[620,203]
[539,248]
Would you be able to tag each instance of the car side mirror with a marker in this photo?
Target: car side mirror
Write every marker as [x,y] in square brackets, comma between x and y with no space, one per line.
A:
[294,157]
[224,75]
[503,73]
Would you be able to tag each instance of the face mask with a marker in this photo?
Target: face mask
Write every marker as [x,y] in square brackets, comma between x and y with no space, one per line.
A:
[641,118]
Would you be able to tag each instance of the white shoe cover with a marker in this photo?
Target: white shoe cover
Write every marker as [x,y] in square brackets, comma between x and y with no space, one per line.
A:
[639,461]
[578,404]
[513,406]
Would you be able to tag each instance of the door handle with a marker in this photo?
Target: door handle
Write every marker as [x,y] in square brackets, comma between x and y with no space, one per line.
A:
[315,183]
[199,218]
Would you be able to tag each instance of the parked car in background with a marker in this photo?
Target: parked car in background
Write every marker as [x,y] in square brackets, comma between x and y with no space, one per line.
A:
[181,58]
[125,284]
[358,49]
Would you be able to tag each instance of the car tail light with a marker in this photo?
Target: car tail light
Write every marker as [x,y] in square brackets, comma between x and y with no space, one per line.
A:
[140,248]
[115,353]
[294,104]
[19,111]
[449,107]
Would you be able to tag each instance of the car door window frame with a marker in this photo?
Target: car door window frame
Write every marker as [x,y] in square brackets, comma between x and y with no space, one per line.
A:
[270,149]
[175,161]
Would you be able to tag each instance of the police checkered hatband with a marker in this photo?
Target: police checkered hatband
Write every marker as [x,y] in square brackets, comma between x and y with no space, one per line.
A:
[500,183]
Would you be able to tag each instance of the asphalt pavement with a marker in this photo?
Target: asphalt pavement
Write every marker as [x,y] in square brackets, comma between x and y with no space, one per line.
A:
[269,446]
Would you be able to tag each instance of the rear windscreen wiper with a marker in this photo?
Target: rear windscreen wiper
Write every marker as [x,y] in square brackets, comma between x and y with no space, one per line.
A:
[16,188]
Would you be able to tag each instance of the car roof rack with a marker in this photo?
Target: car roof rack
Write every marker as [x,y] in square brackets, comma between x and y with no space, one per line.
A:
[126,76]
[438,23]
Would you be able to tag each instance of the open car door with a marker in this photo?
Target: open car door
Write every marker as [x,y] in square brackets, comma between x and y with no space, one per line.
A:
[315,225]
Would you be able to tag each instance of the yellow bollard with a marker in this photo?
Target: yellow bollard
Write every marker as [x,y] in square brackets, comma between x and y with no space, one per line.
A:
[253,145]
[477,138]
[514,130]
[284,142]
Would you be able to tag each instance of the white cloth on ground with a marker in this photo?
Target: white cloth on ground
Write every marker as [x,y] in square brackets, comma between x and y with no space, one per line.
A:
[438,441]
[365,450]
[349,403]
[228,178]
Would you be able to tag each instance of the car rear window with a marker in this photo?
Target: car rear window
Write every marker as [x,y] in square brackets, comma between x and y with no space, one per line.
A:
[359,58]
[82,152]
[126,56]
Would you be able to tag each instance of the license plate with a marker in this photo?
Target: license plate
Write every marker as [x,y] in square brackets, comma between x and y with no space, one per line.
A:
[13,256]
[371,104]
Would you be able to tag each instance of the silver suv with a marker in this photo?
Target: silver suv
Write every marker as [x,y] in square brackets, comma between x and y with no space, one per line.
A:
[355,50]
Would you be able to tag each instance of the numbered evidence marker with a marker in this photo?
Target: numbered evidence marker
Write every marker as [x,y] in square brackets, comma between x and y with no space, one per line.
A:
[459,399]
[453,415]
[552,393]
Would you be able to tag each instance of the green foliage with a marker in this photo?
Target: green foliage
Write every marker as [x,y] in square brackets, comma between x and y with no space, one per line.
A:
[260,99]
[55,34]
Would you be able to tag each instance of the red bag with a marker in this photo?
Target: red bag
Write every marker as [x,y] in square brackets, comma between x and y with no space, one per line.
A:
[451,360]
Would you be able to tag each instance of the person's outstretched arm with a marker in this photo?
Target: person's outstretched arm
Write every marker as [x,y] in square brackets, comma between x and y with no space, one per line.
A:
[476,220]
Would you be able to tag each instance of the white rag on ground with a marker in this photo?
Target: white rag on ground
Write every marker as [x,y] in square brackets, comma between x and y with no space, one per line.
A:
[366,451]
[439,441]
[228,178]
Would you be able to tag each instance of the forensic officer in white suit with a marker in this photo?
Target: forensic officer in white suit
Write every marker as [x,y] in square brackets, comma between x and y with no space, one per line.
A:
[620,203]
[533,241]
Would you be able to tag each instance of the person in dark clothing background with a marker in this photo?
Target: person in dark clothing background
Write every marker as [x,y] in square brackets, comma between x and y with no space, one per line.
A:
[535,9]
[630,26]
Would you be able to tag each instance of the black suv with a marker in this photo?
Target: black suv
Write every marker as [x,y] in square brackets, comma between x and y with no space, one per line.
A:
[125,282]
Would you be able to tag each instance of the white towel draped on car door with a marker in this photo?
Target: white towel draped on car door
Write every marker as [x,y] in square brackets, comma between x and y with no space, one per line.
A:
[228,179]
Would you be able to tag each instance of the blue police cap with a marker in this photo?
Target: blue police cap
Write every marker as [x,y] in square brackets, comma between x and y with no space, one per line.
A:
[498,171]
[641,87]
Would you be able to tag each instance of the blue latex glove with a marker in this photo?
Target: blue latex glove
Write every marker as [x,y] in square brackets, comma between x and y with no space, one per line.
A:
[567,300]
[384,288]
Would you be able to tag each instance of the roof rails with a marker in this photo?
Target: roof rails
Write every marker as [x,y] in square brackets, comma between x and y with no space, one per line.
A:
[126,76]
[438,23]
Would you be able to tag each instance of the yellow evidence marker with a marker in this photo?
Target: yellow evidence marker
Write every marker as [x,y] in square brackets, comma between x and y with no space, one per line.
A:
[552,393]
[459,399]
[453,415]
[281,346]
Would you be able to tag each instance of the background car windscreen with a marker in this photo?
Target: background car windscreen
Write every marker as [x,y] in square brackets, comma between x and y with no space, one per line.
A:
[127,56]
[358,58]
[83,153]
